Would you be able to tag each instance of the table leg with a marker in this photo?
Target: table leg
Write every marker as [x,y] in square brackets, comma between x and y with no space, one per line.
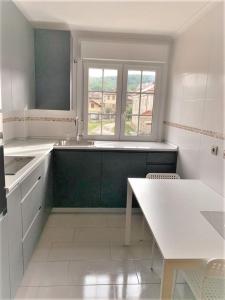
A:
[169,274]
[167,285]
[128,215]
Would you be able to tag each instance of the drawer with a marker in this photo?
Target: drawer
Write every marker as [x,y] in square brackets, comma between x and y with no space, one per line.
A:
[32,202]
[31,238]
[28,183]
[161,157]
[160,168]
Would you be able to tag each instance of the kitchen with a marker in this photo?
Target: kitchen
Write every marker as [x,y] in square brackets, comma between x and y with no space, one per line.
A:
[90,107]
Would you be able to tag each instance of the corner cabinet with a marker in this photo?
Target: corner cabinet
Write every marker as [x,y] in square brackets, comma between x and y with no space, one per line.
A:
[28,208]
[96,178]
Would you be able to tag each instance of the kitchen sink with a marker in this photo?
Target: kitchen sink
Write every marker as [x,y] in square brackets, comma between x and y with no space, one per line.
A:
[74,143]
[13,164]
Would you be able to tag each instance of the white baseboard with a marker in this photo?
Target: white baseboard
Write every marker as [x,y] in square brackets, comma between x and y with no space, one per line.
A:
[93,210]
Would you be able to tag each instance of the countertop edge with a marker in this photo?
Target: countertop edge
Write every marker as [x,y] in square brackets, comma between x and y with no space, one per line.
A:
[26,172]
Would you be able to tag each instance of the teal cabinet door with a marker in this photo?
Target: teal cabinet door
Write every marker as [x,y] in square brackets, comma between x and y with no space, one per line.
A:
[116,168]
[77,178]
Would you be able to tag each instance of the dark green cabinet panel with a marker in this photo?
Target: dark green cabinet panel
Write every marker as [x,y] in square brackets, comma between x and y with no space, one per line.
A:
[77,179]
[95,178]
[116,168]
[52,69]
[161,168]
[162,157]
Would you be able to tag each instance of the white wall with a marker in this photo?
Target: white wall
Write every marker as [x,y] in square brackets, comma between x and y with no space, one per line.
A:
[119,47]
[196,108]
[17,62]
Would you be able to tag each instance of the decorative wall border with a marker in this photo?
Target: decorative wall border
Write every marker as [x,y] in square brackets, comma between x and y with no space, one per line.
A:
[210,133]
[43,119]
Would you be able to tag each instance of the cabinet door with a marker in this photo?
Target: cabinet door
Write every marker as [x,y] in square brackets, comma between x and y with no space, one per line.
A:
[116,168]
[4,259]
[32,238]
[77,178]
[15,240]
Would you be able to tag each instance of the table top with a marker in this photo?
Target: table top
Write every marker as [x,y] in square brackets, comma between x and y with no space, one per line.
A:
[172,209]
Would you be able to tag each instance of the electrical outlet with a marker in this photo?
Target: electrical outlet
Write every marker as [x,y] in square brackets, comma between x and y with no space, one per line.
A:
[214,150]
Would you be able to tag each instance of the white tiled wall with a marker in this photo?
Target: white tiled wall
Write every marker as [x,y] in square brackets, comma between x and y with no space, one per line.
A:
[52,124]
[196,99]
[39,123]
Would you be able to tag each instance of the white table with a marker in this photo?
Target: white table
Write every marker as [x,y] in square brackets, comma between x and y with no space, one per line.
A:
[172,209]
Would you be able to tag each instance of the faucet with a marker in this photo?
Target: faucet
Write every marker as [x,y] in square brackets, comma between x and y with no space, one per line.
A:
[76,122]
[78,135]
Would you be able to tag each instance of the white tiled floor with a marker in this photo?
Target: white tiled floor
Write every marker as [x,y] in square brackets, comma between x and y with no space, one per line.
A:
[82,256]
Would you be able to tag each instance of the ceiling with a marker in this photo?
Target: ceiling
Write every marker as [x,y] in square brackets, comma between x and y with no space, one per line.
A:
[147,17]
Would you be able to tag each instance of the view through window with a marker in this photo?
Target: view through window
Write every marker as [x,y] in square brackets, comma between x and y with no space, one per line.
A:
[120,109]
[102,98]
[139,102]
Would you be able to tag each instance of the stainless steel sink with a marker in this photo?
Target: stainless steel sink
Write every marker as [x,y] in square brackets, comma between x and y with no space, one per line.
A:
[74,143]
[15,163]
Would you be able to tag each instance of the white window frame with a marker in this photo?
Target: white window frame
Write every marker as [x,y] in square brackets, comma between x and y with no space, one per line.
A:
[156,102]
[123,68]
[100,65]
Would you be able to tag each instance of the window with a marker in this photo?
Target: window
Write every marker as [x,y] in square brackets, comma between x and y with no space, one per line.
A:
[121,101]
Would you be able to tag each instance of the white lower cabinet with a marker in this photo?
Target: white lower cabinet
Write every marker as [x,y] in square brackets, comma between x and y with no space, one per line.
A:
[4,258]
[31,238]
[28,208]
[15,239]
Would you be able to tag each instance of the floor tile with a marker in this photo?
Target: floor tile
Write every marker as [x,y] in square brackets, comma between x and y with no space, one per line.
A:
[94,292]
[79,251]
[57,234]
[91,234]
[146,291]
[40,254]
[62,220]
[56,292]
[27,293]
[137,250]
[102,272]
[144,272]
[77,292]
[46,274]
[116,220]
[92,220]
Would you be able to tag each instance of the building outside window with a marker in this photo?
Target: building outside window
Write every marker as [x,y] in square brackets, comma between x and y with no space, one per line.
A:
[121,101]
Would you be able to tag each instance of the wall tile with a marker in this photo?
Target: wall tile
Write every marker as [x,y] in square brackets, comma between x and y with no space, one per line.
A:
[196,100]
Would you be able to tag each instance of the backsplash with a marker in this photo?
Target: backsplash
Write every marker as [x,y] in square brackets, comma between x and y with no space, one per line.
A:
[39,123]
[195,112]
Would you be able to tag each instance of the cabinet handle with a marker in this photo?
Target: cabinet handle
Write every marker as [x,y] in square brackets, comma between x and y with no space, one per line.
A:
[39,178]
[40,207]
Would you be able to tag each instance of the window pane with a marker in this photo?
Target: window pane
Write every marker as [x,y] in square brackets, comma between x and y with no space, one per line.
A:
[95,79]
[133,81]
[94,124]
[108,124]
[148,82]
[131,125]
[146,104]
[109,103]
[94,102]
[110,80]
[132,104]
[145,125]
